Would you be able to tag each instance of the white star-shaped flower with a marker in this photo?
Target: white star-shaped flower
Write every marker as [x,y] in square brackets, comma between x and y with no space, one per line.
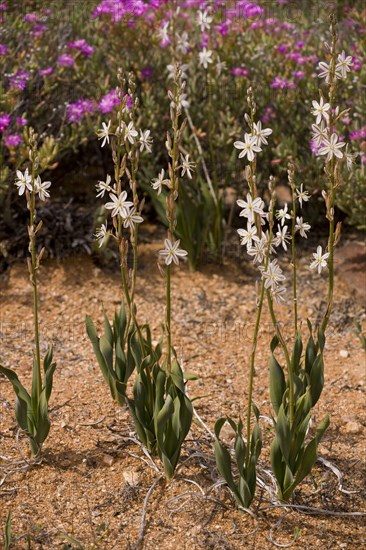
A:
[203,20]
[332,147]
[205,57]
[119,205]
[320,110]
[302,226]
[104,133]
[145,141]
[171,252]
[23,181]
[283,215]
[103,186]
[158,182]
[320,260]
[248,146]
[41,187]
[248,235]
[261,134]
[302,195]
[250,207]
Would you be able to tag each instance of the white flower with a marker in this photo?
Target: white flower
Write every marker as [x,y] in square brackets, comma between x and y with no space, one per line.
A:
[119,205]
[145,140]
[320,110]
[250,206]
[302,195]
[320,260]
[248,235]
[128,132]
[248,147]
[326,71]
[350,158]
[261,134]
[131,218]
[205,57]
[344,64]
[277,294]
[182,102]
[101,234]
[273,275]
[258,250]
[302,226]
[24,181]
[171,70]
[103,186]
[332,148]
[282,238]
[163,32]
[158,182]
[41,188]
[104,133]
[320,133]
[282,214]
[203,20]
[182,44]
[186,166]
[171,252]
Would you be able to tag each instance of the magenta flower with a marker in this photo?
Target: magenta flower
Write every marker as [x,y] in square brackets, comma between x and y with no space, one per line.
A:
[3,49]
[65,60]
[109,101]
[38,30]
[78,110]
[81,46]
[20,121]
[31,17]
[12,140]
[19,80]
[239,71]
[46,72]
[147,73]
[4,121]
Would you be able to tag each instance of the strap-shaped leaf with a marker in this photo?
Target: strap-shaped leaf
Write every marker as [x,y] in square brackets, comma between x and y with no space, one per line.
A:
[283,434]
[92,333]
[18,387]
[277,384]
[322,426]
[43,425]
[317,379]
[278,464]
[239,448]
[107,351]
[48,380]
[296,354]
[48,359]
[108,330]
[21,413]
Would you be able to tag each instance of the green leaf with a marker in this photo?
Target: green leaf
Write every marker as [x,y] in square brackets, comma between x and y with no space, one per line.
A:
[43,424]
[18,387]
[278,465]
[92,333]
[48,359]
[277,384]
[274,343]
[21,413]
[317,379]
[296,354]
[283,434]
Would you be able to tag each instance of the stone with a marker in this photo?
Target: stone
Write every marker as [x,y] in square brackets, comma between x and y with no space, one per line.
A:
[108,459]
[353,427]
[344,353]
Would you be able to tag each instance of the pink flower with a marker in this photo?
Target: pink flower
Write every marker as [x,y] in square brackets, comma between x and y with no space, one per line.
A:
[78,110]
[45,72]
[4,121]
[3,49]
[65,60]
[81,46]
[12,140]
[20,121]
[19,80]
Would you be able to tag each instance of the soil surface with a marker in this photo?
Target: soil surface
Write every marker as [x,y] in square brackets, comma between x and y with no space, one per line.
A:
[88,491]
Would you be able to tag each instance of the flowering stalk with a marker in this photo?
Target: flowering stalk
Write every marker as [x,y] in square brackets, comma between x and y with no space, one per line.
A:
[32,409]
[291,179]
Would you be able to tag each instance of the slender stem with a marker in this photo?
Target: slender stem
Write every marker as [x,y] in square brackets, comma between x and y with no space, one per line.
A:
[251,373]
[34,278]
[293,257]
[330,169]
[168,318]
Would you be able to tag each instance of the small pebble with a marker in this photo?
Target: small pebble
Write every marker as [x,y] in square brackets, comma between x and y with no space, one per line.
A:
[353,428]
[344,353]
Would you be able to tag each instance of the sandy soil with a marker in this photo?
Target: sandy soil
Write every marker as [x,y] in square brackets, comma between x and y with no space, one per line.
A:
[94,477]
